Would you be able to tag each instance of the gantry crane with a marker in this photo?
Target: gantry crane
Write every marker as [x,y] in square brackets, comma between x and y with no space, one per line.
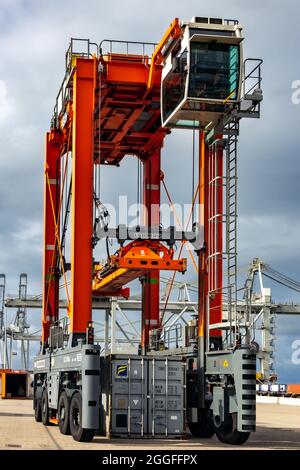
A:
[2,322]
[114,104]
[19,329]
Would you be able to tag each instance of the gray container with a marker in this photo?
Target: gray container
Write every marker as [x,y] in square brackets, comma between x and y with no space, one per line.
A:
[144,396]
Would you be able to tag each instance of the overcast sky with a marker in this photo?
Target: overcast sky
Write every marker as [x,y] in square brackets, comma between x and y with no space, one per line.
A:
[34,35]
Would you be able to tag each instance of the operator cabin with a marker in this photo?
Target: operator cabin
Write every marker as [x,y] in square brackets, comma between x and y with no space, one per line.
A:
[202,73]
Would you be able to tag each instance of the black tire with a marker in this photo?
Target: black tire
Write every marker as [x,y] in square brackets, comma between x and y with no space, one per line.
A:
[78,433]
[45,408]
[37,410]
[205,427]
[228,434]
[63,413]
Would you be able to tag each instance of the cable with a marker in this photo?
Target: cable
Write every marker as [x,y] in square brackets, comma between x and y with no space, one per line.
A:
[97,161]
[182,245]
[178,221]
[99,140]
[193,175]
[285,279]
[102,218]
[138,200]
[297,289]
[107,247]
[57,223]
[57,237]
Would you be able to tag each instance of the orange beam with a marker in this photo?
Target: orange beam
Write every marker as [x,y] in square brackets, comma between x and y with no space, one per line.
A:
[133,73]
[172,33]
[215,240]
[214,243]
[50,279]
[155,263]
[130,120]
[216,303]
[82,195]
[136,262]
[115,281]
[151,282]
[123,102]
[202,278]
[3,385]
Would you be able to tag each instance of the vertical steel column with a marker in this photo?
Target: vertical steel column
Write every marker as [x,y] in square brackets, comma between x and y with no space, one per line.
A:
[2,320]
[11,366]
[202,271]
[106,331]
[217,239]
[51,198]
[211,219]
[210,261]
[203,210]
[80,310]
[28,355]
[113,326]
[150,289]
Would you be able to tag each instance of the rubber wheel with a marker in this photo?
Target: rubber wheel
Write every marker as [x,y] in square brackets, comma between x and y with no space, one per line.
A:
[45,408]
[63,413]
[228,434]
[205,428]
[37,410]
[77,431]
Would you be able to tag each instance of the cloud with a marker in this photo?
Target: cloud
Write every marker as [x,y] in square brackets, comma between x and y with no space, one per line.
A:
[29,234]
[271,236]
[6,107]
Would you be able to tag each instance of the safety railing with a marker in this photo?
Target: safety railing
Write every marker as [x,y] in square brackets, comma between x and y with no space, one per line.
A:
[172,336]
[238,326]
[59,333]
[167,337]
[78,47]
[252,76]
[111,46]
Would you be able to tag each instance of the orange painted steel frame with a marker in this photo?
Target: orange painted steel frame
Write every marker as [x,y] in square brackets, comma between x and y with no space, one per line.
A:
[82,127]
[127,92]
[142,254]
[132,262]
[82,206]
[150,289]
[202,278]
[215,240]
[50,279]
[82,195]
[173,32]
[217,235]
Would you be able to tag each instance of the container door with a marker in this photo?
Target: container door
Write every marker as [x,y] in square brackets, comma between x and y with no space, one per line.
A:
[166,390]
[128,396]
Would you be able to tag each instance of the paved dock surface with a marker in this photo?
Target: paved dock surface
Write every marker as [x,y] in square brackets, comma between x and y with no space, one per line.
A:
[278,427]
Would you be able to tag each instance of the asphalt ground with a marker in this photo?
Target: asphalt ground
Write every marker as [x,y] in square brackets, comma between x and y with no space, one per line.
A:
[278,428]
